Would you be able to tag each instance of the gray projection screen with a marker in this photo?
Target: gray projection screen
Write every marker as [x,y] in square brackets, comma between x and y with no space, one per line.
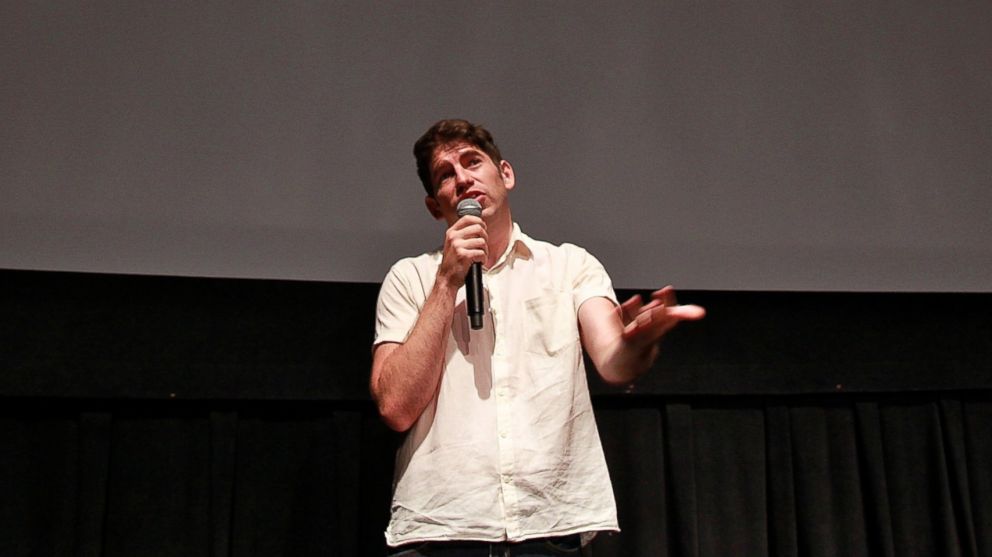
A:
[764,145]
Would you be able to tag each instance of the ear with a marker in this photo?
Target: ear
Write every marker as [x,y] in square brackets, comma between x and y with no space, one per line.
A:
[506,171]
[433,207]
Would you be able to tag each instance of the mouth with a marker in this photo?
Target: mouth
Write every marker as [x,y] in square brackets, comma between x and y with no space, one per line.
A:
[476,195]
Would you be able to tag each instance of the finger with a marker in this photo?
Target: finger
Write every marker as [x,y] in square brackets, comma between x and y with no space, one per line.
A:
[688,312]
[630,308]
[474,242]
[472,230]
[666,295]
[648,326]
[651,305]
[476,256]
[468,220]
[470,254]
[653,323]
[473,248]
[473,237]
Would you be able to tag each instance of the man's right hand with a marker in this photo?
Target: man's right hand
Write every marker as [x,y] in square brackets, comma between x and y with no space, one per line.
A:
[465,242]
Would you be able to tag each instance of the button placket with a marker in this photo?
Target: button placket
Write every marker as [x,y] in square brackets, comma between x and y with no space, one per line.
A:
[504,439]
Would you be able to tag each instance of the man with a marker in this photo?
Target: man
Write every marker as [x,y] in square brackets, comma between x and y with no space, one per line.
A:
[502,451]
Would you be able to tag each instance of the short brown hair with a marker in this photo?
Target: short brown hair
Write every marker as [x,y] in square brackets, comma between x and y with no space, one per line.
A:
[446,132]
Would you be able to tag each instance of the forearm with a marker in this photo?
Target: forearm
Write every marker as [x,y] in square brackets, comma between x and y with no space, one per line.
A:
[406,380]
[619,357]
[625,361]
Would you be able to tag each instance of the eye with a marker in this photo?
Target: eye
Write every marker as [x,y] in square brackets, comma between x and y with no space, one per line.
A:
[442,180]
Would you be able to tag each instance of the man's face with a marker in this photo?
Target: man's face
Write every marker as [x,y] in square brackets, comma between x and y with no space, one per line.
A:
[462,170]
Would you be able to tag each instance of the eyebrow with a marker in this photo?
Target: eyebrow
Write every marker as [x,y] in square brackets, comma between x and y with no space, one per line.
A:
[437,166]
[437,162]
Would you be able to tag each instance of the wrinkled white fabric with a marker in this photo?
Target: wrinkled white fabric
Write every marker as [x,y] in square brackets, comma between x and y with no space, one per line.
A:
[508,449]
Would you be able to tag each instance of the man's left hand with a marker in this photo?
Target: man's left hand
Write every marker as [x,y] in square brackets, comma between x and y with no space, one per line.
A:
[646,323]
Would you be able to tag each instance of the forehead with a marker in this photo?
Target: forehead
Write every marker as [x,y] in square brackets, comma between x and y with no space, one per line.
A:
[448,152]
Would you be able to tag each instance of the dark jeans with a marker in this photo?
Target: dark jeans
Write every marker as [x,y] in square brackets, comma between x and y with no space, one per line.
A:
[542,547]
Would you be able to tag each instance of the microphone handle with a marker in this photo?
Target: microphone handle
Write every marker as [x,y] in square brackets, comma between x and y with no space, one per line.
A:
[473,295]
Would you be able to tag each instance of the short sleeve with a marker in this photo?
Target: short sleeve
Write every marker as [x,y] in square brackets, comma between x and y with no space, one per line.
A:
[589,278]
[397,309]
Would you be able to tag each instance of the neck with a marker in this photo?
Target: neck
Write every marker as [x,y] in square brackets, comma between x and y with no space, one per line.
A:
[499,230]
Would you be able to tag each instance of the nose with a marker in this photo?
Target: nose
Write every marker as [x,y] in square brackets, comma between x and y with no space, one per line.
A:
[463,180]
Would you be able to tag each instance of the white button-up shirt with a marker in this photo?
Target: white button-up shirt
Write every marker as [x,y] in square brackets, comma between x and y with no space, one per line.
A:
[508,449]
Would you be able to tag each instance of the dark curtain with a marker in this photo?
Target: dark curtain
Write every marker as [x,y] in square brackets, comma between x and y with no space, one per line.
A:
[887,475]
[873,476]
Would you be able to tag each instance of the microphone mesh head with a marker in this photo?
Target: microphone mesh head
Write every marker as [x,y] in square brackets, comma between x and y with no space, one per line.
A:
[469,206]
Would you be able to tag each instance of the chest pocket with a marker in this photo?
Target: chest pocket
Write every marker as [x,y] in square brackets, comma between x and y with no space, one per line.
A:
[551,324]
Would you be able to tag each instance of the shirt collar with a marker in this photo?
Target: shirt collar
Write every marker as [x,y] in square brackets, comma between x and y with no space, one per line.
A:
[516,247]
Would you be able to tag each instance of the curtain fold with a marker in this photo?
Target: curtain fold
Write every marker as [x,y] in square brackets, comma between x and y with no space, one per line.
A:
[679,456]
[782,528]
[953,434]
[636,461]
[977,424]
[876,488]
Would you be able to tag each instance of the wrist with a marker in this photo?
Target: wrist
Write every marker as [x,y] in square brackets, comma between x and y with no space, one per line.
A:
[641,354]
[446,285]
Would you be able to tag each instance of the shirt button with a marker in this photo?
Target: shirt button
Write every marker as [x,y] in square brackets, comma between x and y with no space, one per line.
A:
[507,479]
[502,434]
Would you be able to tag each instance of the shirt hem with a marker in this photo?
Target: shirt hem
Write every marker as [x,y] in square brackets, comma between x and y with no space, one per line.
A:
[499,539]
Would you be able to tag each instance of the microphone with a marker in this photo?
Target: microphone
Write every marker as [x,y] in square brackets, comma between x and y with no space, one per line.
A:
[473,281]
